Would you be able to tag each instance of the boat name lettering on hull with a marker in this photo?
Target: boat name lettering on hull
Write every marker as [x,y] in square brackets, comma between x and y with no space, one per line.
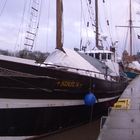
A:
[70,84]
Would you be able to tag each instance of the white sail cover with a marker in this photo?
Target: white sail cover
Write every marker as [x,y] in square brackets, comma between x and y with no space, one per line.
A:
[18,60]
[72,59]
[134,65]
[114,67]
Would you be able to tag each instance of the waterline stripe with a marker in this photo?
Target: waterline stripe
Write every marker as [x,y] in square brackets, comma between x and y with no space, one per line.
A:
[34,103]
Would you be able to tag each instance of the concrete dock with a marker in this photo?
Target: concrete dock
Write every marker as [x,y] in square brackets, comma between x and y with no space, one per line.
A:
[123,121]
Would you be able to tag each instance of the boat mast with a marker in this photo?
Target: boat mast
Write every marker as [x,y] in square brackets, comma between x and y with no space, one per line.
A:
[59,11]
[96,24]
[130,25]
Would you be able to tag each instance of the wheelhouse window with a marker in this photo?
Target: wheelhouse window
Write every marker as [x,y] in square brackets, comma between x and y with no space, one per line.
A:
[109,55]
[91,54]
[97,55]
[104,56]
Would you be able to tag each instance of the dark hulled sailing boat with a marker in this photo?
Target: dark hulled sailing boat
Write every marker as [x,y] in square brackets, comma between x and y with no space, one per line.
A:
[130,61]
[37,99]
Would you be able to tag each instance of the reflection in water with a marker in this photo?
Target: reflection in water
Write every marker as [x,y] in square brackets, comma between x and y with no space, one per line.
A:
[87,131]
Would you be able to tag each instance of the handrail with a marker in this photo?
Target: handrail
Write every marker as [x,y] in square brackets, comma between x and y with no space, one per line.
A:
[78,69]
[75,68]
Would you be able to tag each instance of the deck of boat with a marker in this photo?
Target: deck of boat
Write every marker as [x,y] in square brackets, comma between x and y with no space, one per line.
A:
[123,122]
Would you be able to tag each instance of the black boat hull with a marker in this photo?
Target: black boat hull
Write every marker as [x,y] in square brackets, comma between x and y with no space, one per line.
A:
[25,120]
[70,82]
[49,99]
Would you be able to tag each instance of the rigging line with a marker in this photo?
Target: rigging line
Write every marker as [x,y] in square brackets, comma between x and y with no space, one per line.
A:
[2,10]
[81,27]
[23,32]
[40,12]
[99,21]
[29,9]
[21,24]
[33,25]
[83,15]
[123,40]
[26,25]
[110,33]
[48,25]
[117,37]
[111,17]
[28,84]
[107,22]
[21,74]
[134,42]
[62,40]
[125,43]
[91,15]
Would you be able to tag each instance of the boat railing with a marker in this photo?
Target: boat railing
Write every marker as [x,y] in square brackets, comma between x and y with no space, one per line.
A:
[89,72]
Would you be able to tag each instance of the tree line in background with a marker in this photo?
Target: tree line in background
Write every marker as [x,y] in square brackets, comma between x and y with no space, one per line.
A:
[33,55]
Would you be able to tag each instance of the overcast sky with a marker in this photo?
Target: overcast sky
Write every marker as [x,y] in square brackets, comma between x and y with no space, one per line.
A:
[116,11]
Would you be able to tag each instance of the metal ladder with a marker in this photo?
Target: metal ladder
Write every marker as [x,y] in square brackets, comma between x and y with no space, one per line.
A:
[33,23]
